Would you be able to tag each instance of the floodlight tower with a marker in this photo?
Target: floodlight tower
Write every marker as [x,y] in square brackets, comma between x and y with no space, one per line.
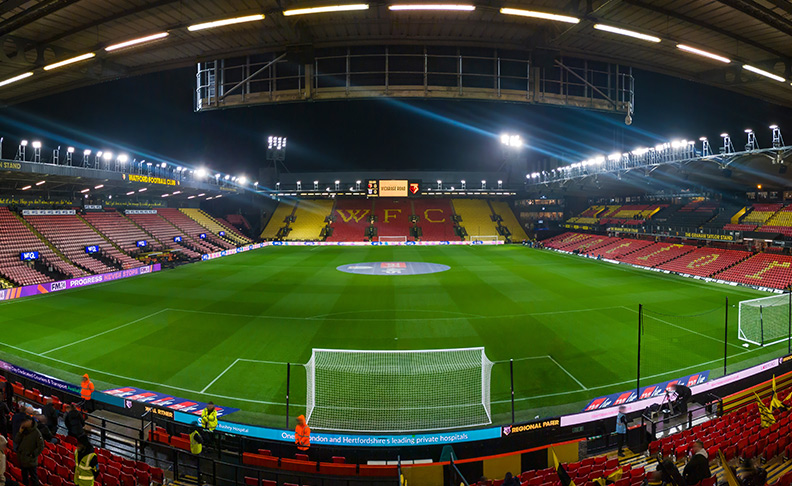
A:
[276,152]
[86,157]
[69,155]
[511,146]
[37,151]
[752,144]
[21,150]
[727,144]
[778,140]
[705,147]
[56,155]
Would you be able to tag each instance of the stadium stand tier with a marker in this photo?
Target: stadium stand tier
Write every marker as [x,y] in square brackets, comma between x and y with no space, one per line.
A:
[705,262]
[780,222]
[392,217]
[509,220]
[761,213]
[436,219]
[351,218]
[309,219]
[15,238]
[165,233]
[657,254]
[476,217]
[764,269]
[194,230]
[71,236]
[214,226]
[119,230]
[278,219]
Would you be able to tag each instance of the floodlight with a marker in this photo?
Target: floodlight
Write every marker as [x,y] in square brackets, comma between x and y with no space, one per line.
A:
[135,42]
[699,52]
[439,181]
[326,9]
[539,15]
[703,139]
[143,190]
[26,188]
[148,164]
[200,173]
[337,182]
[107,155]
[224,22]
[23,143]
[70,150]
[130,193]
[316,182]
[87,152]
[40,183]
[36,144]
[462,181]
[72,60]
[724,135]
[628,33]
[123,158]
[773,127]
[99,186]
[227,177]
[84,191]
[163,165]
[452,7]
[16,78]
[762,72]
[500,182]
[748,130]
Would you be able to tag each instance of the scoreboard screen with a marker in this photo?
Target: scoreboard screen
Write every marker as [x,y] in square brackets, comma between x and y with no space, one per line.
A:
[373,189]
[389,188]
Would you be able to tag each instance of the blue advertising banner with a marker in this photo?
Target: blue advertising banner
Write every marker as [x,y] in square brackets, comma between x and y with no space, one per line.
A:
[645,392]
[40,378]
[161,400]
[386,440]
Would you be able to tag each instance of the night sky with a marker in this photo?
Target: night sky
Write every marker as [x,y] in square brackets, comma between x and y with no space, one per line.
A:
[151,117]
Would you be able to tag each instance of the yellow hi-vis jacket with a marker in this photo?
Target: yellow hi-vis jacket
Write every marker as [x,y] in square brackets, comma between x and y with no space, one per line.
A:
[195,446]
[83,472]
[209,419]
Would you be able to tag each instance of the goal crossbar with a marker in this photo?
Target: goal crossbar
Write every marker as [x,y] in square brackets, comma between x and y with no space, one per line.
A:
[765,321]
[398,390]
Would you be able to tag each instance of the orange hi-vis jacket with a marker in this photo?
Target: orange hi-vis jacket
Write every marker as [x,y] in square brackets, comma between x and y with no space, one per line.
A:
[87,388]
[302,434]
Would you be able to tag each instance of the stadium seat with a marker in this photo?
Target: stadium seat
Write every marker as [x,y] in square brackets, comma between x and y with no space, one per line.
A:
[251,481]
[339,459]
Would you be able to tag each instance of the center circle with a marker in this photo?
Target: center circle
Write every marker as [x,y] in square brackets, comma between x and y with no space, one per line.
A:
[393,268]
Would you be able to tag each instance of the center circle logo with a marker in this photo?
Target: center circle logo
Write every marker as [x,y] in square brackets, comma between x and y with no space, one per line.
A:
[393,268]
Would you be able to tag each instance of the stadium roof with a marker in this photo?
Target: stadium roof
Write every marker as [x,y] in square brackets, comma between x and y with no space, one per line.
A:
[39,33]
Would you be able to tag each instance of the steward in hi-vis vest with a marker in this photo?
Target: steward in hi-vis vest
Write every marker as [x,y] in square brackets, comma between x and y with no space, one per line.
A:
[209,417]
[302,434]
[86,463]
[196,442]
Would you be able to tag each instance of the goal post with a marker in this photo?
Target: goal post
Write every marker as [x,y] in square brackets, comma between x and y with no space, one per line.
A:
[398,391]
[392,239]
[765,321]
[485,237]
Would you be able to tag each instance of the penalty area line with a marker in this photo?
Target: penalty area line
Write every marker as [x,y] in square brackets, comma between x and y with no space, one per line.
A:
[567,372]
[220,375]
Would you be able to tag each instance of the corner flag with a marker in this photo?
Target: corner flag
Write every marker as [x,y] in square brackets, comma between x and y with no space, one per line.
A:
[562,474]
[766,415]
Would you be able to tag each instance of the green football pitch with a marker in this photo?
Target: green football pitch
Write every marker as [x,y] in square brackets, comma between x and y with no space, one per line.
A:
[223,330]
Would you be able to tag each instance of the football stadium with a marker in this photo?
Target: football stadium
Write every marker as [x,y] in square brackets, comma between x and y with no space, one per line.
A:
[395,243]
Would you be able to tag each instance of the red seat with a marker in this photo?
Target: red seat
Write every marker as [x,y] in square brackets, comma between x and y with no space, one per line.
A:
[339,459]
[301,457]
[251,481]
[143,477]
[127,480]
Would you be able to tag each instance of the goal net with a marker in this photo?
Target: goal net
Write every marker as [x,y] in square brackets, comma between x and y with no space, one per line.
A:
[398,391]
[392,239]
[765,321]
[485,238]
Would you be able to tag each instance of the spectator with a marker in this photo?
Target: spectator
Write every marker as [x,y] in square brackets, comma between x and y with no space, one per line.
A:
[51,414]
[510,480]
[74,421]
[18,418]
[87,463]
[621,429]
[697,467]
[8,394]
[196,442]
[5,426]
[3,480]
[669,473]
[752,474]
[29,445]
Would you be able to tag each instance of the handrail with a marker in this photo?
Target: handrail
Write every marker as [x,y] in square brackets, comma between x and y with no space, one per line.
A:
[458,472]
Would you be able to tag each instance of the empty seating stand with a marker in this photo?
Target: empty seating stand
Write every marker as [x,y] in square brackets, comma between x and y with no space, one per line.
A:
[656,254]
[120,230]
[351,218]
[278,219]
[309,219]
[436,219]
[509,220]
[392,217]
[164,232]
[476,217]
[70,235]
[705,262]
[216,226]
[763,269]
[212,242]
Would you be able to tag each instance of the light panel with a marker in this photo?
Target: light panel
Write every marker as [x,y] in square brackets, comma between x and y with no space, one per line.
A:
[82,57]
[699,52]
[16,78]
[449,7]
[628,33]
[224,22]
[134,42]
[762,72]
[326,9]
[540,15]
